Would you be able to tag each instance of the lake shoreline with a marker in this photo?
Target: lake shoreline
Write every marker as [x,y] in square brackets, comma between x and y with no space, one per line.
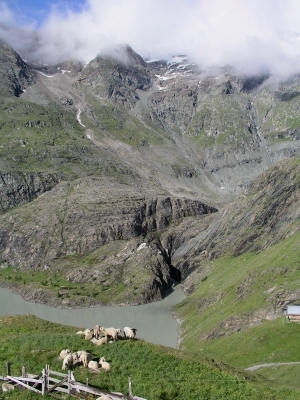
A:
[47,298]
[155,321]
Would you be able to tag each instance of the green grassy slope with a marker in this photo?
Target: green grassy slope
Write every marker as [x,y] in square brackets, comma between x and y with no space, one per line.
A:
[156,372]
[242,291]
[237,310]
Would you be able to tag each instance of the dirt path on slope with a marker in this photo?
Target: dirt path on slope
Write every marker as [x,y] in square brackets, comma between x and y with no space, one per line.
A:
[256,367]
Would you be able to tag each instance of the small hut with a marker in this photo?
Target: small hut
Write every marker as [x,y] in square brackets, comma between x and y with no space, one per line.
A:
[293,314]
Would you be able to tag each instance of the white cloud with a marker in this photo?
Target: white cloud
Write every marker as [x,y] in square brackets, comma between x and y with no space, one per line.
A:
[6,14]
[252,35]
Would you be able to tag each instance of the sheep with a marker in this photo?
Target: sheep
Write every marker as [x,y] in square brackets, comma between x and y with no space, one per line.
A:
[64,354]
[97,332]
[90,335]
[112,332]
[129,333]
[68,361]
[104,364]
[100,341]
[104,397]
[76,359]
[94,365]
[84,357]
[85,332]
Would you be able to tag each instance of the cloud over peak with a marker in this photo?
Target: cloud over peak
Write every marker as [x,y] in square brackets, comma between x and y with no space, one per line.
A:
[253,36]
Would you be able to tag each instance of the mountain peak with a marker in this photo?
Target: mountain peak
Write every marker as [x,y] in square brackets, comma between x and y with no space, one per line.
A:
[124,54]
[15,72]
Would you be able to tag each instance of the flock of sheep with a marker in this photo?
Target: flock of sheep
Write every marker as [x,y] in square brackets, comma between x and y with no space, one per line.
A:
[84,358]
[99,336]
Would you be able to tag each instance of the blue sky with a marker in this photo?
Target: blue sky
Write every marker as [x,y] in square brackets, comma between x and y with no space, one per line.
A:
[36,11]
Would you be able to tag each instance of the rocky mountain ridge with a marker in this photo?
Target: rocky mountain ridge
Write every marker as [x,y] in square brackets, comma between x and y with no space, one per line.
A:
[122,149]
[15,73]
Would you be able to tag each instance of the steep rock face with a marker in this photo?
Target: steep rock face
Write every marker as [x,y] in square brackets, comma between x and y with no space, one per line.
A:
[219,129]
[268,213]
[175,107]
[270,210]
[118,78]
[239,126]
[80,218]
[15,73]
[72,221]
[134,273]
[20,188]
[139,267]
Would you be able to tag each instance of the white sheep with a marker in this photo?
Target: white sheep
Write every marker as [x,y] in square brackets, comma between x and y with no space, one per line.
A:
[129,333]
[85,332]
[97,332]
[89,335]
[99,342]
[104,398]
[94,365]
[68,362]
[64,353]
[84,357]
[76,359]
[104,364]
[112,332]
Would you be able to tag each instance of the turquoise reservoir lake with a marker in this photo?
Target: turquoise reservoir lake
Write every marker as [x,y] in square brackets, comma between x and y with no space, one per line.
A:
[154,321]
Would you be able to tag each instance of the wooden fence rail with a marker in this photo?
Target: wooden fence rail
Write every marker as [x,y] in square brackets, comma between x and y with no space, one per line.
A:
[53,381]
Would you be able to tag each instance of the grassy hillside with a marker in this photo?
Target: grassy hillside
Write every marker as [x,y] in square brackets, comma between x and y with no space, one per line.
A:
[249,275]
[237,312]
[156,372]
[241,292]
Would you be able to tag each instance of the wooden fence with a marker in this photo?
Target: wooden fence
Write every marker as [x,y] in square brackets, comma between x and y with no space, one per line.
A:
[52,381]
[292,318]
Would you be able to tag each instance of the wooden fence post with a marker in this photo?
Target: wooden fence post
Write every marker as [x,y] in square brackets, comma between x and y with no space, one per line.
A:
[130,388]
[44,382]
[8,368]
[47,376]
[69,383]
[23,372]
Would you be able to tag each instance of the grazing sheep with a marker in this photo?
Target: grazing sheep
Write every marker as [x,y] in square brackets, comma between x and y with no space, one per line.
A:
[129,333]
[76,359]
[64,353]
[68,362]
[100,341]
[85,332]
[94,365]
[104,364]
[97,332]
[90,335]
[84,357]
[112,332]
